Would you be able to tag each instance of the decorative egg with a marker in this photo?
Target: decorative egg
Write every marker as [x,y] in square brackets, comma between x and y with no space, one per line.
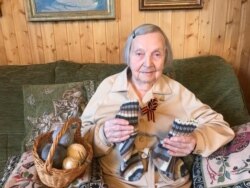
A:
[77,151]
[67,138]
[69,163]
[60,154]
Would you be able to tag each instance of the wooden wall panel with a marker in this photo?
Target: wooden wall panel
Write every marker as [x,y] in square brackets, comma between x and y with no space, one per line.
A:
[3,57]
[36,43]
[74,41]
[138,17]
[9,35]
[165,22]
[99,28]
[178,33]
[21,30]
[125,23]
[191,34]
[61,41]
[87,42]
[220,28]
[232,31]
[152,17]
[49,45]
[113,50]
[205,28]
[244,60]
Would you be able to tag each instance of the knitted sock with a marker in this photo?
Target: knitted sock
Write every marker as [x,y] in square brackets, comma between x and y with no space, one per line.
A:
[172,167]
[131,166]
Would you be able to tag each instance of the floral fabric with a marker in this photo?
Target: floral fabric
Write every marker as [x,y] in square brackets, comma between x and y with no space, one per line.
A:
[227,167]
[47,106]
[10,166]
[25,175]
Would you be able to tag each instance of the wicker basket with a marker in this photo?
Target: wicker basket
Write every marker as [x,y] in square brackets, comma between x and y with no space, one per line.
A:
[53,177]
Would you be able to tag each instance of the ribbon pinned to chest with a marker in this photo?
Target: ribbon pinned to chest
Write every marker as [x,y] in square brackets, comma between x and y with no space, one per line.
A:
[149,109]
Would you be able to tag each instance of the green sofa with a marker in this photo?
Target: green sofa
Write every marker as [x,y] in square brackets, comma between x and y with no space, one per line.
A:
[209,77]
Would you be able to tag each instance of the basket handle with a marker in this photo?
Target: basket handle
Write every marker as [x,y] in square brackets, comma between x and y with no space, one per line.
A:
[72,121]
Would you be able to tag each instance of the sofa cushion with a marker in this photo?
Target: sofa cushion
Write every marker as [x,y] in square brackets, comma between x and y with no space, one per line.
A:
[67,71]
[90,86]
[214,83]
[47,106]
[229,166]
[12,77]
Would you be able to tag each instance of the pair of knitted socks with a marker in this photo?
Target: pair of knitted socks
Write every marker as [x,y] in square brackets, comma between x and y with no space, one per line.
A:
[131,167]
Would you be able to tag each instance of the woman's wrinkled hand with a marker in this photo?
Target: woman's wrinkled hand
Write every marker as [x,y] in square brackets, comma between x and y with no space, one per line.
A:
[180,145]
[117,130]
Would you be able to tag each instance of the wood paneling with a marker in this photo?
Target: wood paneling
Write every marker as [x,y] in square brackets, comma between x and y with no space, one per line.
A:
[3,57]
[100,45]
[9,35]
[74,41]
[232,31]
[218,27]
[87,42]
[36,43]
[48,38]
[222,28]
[178,33]
[191,33]
[61,41]
[205,28]
[243,60]
[113,49]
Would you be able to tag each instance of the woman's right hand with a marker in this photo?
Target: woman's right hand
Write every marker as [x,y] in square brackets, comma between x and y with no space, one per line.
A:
[117,130]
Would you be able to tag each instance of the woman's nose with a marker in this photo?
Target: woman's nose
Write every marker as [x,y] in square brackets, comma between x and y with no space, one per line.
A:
[148,60]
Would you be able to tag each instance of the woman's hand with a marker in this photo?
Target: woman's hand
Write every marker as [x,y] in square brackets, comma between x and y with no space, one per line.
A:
[180,145]
[117,130]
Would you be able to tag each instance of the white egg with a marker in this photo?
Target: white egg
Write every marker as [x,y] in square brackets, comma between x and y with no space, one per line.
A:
[69,163]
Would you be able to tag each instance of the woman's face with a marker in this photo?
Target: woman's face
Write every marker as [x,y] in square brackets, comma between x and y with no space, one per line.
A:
[147,58]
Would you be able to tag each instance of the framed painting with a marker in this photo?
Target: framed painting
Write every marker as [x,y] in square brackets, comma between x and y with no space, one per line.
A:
[1,1]
[169,4]
[56,10]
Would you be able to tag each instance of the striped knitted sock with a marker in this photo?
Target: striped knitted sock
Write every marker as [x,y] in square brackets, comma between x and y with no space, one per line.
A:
[172,167]
[131,166]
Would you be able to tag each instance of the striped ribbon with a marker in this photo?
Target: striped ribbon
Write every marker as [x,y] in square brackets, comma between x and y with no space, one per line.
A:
[149,109]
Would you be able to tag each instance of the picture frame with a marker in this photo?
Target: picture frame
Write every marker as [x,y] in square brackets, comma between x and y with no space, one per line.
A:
[1,1]
[170,4]
[62,10]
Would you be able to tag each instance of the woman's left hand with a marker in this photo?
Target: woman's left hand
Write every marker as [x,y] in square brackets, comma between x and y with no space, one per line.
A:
[180,145]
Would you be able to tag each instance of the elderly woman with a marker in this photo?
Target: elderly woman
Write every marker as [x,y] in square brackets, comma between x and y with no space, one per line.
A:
[130,119]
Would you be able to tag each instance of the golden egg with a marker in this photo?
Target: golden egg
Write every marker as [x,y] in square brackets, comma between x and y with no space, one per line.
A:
[77,151]
[69,163]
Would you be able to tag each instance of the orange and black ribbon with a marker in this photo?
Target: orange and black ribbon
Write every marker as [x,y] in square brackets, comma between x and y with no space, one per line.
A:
[149,109]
